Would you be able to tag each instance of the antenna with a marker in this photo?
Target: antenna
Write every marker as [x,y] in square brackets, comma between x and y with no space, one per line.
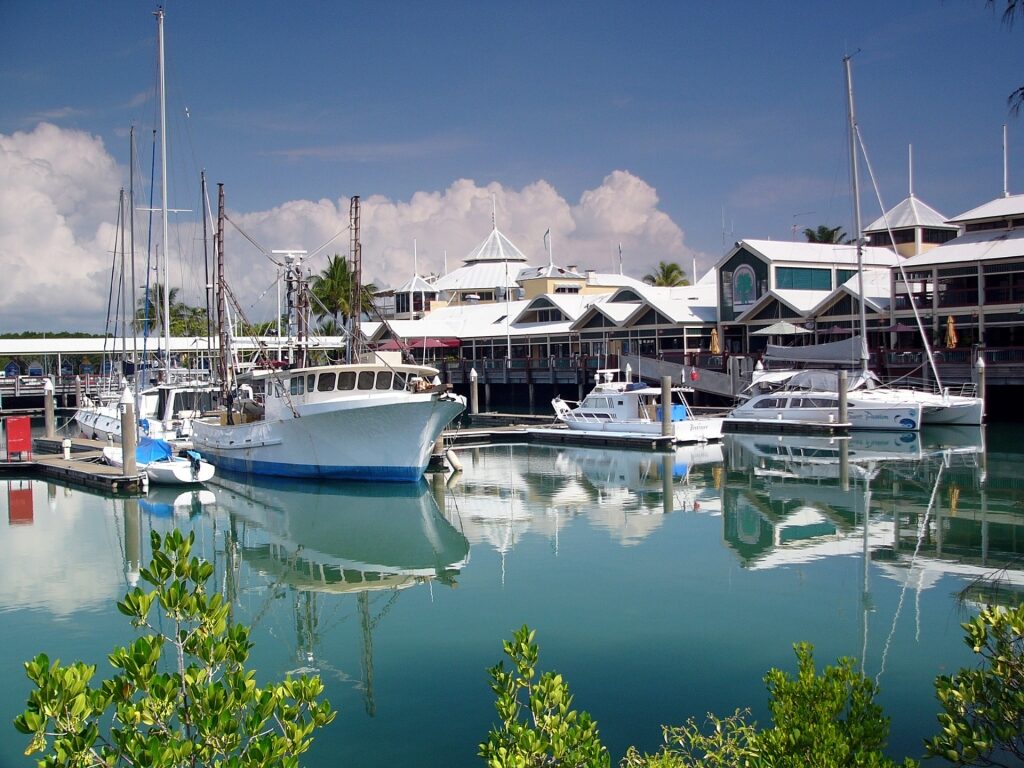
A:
[620,259]
[793,225]
[910,169]
[446,261]
[494,211]
[415,268]
[1006,164]
[547,246]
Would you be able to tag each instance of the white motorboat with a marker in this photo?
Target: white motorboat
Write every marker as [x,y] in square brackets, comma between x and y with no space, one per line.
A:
[157,458]
[810,400]
[358,421]
[633,408]
[166,411]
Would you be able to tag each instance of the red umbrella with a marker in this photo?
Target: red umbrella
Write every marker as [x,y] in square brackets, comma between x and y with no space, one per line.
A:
[421,343]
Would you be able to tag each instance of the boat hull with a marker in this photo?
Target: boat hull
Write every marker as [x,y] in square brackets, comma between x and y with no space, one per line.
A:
[387,441]
[693,430]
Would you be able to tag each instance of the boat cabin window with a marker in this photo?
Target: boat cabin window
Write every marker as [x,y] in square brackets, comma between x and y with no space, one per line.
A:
[347,380]
[298,385]
[597,402]
[310,382]
[771,402]
[399,382]
[812,402]
[325,383]
[384,379]
[366,379]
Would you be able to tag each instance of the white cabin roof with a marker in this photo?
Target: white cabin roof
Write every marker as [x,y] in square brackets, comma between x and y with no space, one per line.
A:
[908,214]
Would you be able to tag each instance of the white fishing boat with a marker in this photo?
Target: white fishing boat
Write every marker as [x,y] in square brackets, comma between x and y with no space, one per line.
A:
[810,400]
[624,407]
[163,467]
[366,421]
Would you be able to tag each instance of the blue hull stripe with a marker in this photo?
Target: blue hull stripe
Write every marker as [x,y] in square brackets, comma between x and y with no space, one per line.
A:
[381,474]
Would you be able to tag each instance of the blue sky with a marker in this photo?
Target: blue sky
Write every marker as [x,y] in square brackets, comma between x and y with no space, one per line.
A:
[706,109]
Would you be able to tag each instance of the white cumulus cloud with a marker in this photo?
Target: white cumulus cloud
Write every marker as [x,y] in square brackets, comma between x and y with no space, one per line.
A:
[58,209]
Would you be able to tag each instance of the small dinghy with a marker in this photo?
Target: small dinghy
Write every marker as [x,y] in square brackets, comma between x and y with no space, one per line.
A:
[162,466]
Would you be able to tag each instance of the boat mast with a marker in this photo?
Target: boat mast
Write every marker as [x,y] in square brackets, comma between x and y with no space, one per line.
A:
[856,216]
[131,244]
[224,368]
[159,13]
[356,253]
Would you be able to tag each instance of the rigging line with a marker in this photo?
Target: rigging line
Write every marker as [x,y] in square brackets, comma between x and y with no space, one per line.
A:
[899,261]
[921,528]
[336,236]
[252,241]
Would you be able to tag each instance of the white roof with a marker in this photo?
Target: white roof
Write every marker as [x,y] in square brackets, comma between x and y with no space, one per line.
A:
[998,208]
[801,302]
[613,280]
[416,284]
[484,276]
[548,271]
[572,305]
[821,254]
[910,213]
[495,247]
[970,248]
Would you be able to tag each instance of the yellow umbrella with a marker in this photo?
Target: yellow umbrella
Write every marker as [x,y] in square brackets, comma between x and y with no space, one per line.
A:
[950,333]
[716,348]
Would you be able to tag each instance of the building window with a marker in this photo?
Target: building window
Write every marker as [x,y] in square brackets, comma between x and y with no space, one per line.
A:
[567,289]
[803,279]
[842,275]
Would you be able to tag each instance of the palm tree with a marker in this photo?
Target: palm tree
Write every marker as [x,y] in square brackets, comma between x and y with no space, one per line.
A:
[332,289]
[826,234]
[667,274]
[1013,9]
[151,306]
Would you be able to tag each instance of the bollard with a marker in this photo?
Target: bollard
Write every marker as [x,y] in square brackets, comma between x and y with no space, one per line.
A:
[48,412]
[65,444]
[128,434]
[841,391]
[666,406]
[474,393]
[981,382]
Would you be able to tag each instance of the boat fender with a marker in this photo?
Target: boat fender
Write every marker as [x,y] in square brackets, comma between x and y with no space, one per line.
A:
[453,459]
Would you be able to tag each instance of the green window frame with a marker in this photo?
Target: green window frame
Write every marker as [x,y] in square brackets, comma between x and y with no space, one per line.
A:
[803,279]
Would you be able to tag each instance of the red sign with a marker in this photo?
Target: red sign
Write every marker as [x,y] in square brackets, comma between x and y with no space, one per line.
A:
[19,436]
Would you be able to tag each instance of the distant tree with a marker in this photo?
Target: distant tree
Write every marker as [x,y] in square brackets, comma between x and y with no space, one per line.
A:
[151,306]
[1013,9]
[825,234]
[667,274]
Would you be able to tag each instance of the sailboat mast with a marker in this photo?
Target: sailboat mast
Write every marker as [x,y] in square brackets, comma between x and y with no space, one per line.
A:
[856,215]
[163,189]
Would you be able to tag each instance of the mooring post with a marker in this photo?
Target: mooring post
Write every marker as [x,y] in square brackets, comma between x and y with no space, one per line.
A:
[841,391]
[128,440]
[474,392]
[48,413]
[844,464]
[132,541]
[666,406]
[980,366]
[667,489]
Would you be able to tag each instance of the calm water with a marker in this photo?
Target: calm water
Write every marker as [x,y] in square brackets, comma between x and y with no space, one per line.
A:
[662,586]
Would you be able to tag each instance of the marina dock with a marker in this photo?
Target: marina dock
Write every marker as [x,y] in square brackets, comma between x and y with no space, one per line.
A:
[84,467]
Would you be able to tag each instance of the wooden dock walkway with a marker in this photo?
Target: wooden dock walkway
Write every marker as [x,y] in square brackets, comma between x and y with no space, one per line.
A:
[85,467]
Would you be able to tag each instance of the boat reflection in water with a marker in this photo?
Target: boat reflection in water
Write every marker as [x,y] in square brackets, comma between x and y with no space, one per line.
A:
[319,544]
[348,537]
[507,491]
[917,508]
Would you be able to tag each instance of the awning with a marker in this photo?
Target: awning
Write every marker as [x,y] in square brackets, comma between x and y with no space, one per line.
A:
[781,328]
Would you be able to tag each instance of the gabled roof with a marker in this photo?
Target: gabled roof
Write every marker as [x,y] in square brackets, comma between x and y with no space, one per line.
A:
[876,290]
[800,302]
[907,214]
[1001,207]
[572,305]
[416,284]
[972,247]
[495,247]
[821,254]
[617,313]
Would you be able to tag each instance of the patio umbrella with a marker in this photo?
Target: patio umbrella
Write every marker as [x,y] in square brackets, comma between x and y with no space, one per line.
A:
[950,333]
[781,328]
[901,328]
[838,329]
[716,346]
